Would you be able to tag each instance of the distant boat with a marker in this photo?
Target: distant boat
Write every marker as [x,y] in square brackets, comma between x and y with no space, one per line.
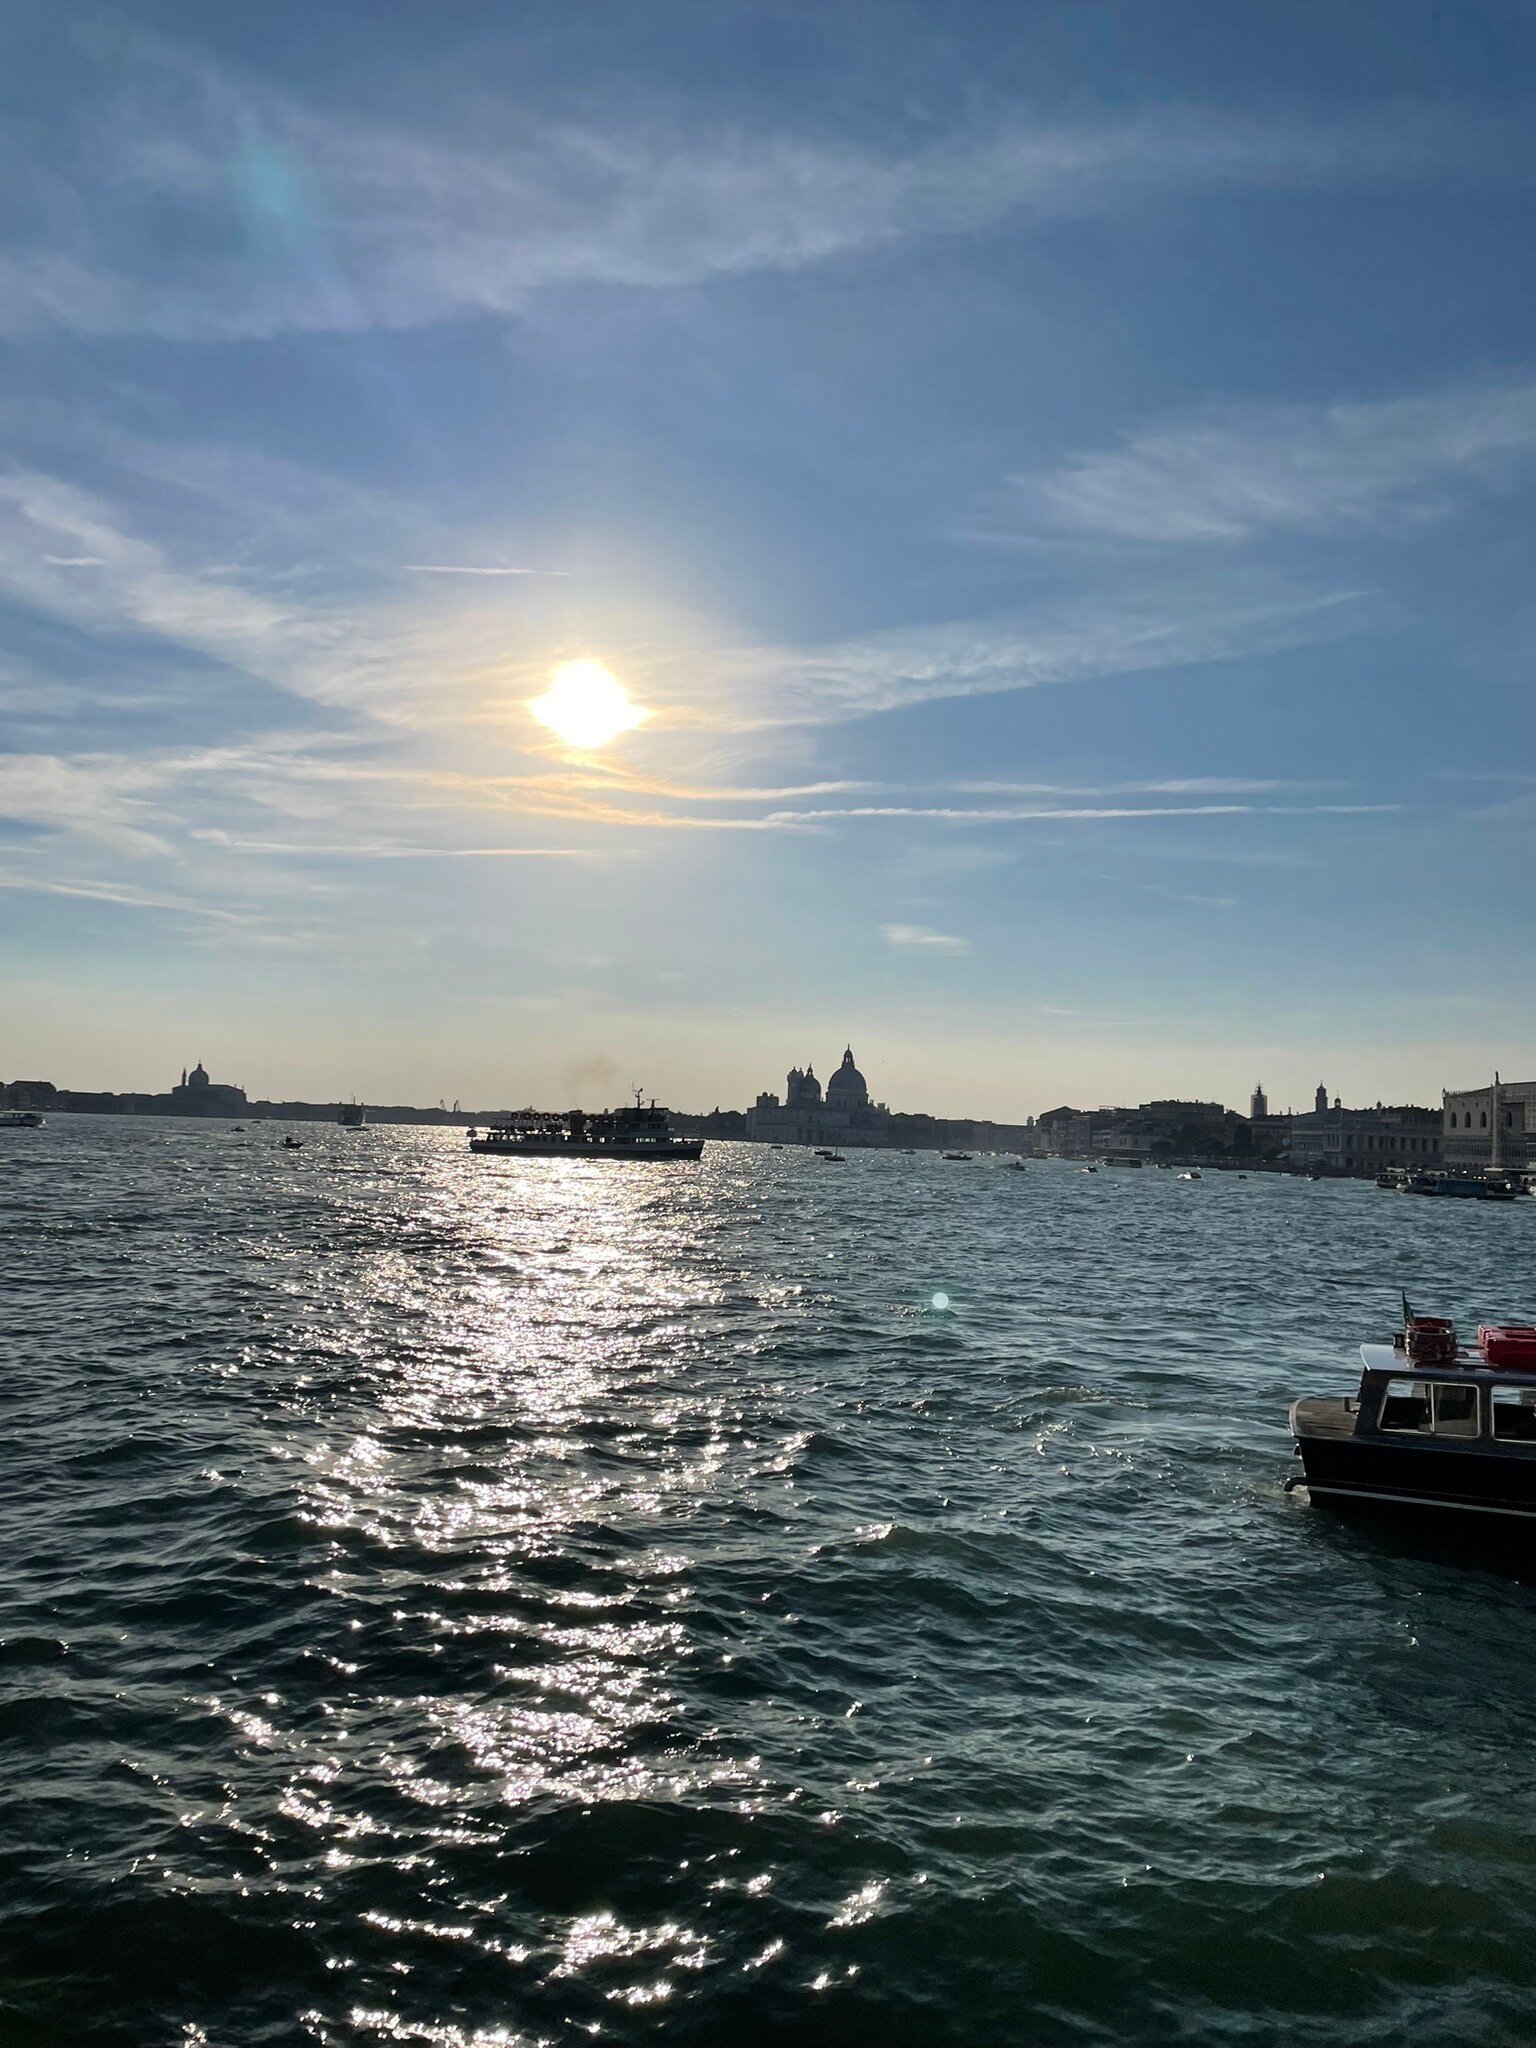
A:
[1090,1169]
[1194,1174]
[959,1155]
[353,1116]
[21,1120]
[292,1144]
[1017,1166]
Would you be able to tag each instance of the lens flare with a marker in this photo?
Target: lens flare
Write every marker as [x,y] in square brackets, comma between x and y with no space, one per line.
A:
[586,705]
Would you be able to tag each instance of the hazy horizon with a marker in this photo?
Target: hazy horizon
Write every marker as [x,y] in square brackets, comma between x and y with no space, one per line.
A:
[1045,489]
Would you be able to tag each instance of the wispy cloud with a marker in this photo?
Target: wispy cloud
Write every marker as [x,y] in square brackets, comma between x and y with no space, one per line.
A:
[360,222]
[1187,785]
[1115,634]
[126,897]
[1231,476]
[1185,896]
[1062,814]
[476,569]
[918,938]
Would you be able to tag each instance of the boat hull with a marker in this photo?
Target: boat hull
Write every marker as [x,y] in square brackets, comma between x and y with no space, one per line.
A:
[1348,1473]
[565,1148]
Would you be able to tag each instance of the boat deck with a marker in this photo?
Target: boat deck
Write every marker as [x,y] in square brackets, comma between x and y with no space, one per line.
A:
[1325,1415]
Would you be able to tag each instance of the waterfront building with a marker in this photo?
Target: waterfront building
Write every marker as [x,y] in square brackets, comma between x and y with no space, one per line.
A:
[196,1095]
[29,1095]
[1258,1104]
[1364,1141]
[843,1116]
[1492,1127]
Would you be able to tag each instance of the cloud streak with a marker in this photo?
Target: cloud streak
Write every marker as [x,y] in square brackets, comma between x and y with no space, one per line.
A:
[918,938]
[1233,476]
[475,569]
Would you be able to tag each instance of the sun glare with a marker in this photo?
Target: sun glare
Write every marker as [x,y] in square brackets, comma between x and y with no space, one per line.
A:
[586,705]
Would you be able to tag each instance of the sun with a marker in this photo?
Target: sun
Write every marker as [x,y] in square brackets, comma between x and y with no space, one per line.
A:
[586,705]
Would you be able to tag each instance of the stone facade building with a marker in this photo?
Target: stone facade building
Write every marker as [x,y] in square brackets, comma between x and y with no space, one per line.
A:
[1490,1127]
[1363,1141]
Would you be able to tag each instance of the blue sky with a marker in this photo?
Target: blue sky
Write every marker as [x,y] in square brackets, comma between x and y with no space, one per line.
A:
[1059,477]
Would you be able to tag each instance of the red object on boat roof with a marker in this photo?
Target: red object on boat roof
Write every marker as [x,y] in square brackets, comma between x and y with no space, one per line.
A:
[1507,1343]
[1427,1340]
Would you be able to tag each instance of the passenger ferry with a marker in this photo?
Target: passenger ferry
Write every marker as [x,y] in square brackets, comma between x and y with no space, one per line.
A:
[21,1120]
[1469,1187]
[1433,1426]
[641,1132]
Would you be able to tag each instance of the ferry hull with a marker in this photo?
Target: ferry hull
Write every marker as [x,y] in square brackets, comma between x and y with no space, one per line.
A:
[1343,1473]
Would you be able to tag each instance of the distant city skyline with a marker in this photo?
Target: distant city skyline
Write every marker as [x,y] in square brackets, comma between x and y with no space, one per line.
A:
[597,1081]
[997,533]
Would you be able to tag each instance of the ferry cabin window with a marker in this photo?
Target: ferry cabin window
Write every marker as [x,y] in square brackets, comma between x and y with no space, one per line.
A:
[1514,1414]
[1425,1408]
[1455,1409]
[1405,1405]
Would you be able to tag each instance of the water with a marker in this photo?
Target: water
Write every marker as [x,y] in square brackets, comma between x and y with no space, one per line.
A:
[493,1602]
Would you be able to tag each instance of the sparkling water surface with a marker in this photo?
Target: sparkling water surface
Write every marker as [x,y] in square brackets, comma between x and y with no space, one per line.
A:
[465,1602]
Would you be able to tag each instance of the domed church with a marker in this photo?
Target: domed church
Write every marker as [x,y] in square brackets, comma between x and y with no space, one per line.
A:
[846,1116]
[846,1090]
[196,1095]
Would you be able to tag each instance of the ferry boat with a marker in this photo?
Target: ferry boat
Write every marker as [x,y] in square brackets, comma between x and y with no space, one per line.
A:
[21,1120]
[1432,1427]
[353,1116]
[1470,1187]
[641,1132]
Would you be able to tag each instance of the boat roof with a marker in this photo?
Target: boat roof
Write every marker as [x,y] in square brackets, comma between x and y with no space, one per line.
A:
[1471,1364]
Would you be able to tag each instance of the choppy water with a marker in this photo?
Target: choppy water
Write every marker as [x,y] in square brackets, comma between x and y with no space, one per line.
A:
[483,1602]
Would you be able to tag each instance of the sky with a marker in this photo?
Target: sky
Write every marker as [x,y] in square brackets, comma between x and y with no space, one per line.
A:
[1058,478]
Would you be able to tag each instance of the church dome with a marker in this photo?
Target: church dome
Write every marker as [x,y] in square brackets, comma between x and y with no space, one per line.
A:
[847,1087]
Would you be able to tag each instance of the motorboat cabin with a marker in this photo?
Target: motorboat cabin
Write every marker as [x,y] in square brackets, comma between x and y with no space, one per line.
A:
[1460,1435]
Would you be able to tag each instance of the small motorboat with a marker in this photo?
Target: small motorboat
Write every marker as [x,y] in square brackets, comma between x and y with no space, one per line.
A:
[292,1144]
[1090,1169]
[1433,1426]
[1193,1174]
[832,1158]
[960,1155]
[1017,1166]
